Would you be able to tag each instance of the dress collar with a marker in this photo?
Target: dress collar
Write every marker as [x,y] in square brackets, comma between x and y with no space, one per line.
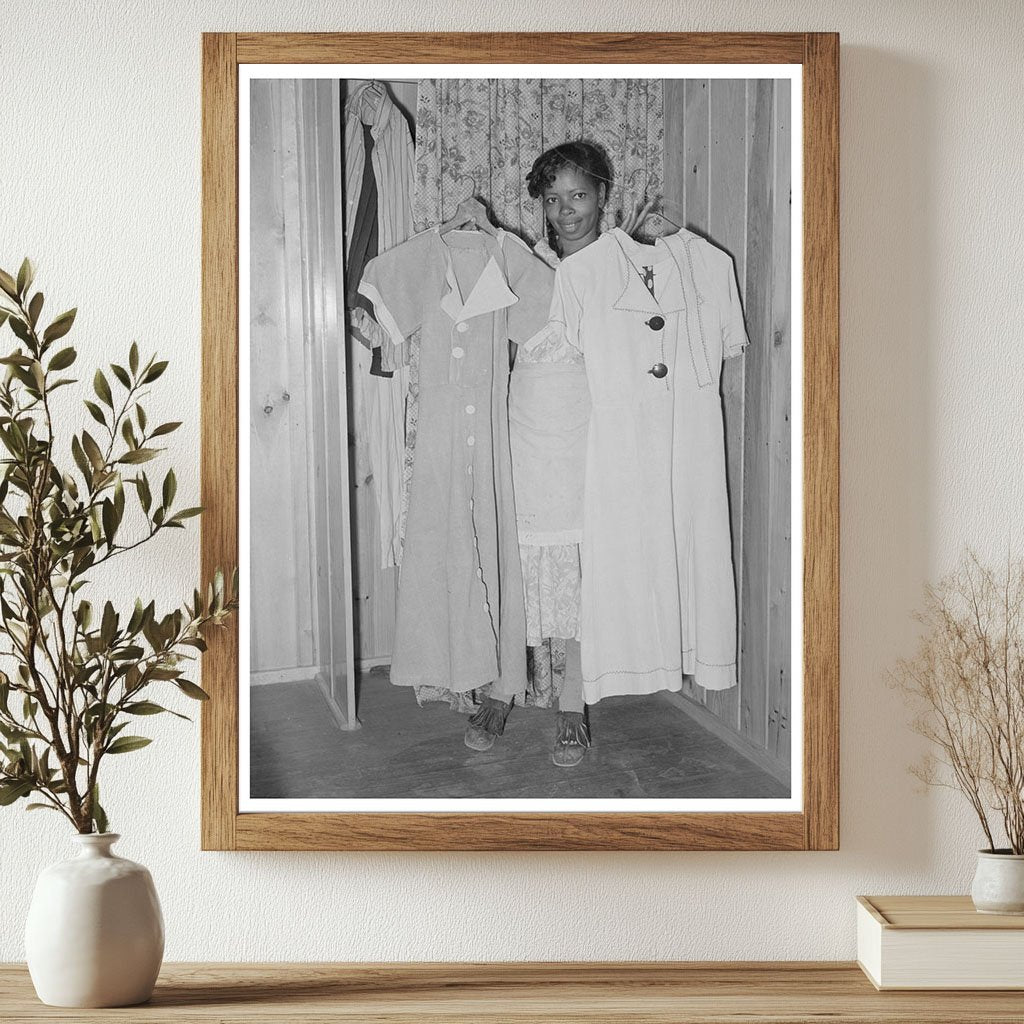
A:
[490,291]
[634,295]
[547,254]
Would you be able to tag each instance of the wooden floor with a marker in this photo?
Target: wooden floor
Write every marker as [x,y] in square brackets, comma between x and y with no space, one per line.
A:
[643,747]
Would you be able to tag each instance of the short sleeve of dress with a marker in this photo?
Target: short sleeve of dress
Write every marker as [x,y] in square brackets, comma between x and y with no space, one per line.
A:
[394,282]
[531,280]
[734,331]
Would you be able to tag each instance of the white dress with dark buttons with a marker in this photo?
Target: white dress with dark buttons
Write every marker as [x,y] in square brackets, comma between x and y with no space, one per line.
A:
[658,593]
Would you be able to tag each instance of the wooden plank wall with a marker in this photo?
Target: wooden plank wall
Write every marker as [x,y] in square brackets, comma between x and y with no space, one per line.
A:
[282,639]
[780,678]
[727,177]
[300,624]
[298,473]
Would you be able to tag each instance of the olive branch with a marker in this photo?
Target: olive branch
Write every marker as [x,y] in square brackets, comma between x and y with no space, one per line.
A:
[80,675]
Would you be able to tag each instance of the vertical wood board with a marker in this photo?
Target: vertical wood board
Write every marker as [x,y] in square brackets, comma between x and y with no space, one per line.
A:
[674,198]
[780,398]
[320,204]
[695,154]
[293,401]
[274,621]
[754,605]
[727,228]
[306,368]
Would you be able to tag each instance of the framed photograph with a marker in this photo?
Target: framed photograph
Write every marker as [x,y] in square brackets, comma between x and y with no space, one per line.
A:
[521,421]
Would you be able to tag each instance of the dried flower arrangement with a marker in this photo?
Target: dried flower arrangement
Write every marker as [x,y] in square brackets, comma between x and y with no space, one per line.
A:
[967,681]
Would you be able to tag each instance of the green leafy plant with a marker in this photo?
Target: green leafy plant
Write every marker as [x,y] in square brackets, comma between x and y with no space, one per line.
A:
[80,674]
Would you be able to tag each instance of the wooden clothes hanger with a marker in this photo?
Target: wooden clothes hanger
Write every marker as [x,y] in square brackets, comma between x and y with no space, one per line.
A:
[470,211]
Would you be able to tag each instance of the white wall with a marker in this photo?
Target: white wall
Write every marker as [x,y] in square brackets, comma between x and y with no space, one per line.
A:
[99,181]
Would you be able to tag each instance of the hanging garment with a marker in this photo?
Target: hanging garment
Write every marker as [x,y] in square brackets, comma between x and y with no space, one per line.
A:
[392,161]
[460,617]
[363,228]
[378,216]
[548,410]
[659,595]
[364,245]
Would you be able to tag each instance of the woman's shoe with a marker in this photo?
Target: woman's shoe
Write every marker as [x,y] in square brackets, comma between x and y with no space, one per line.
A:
[572,737]
[486,724]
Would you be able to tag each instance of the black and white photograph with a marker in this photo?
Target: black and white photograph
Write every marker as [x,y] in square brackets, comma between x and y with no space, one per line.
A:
[519,497]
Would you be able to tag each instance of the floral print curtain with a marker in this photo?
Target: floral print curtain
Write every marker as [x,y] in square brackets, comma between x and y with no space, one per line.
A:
[481,136]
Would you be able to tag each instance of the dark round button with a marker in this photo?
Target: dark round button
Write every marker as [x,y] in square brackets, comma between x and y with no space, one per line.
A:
[656,323]
[658,370]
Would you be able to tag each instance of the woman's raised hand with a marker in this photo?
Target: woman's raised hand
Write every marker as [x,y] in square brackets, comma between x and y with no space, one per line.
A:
[638,213]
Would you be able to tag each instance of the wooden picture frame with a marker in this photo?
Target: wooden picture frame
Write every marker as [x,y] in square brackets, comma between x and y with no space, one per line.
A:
[816,826]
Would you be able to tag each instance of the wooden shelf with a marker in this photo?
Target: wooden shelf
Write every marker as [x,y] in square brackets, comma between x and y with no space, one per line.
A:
[629,993]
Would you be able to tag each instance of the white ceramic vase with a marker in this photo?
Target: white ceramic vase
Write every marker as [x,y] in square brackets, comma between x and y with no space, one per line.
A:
[999,882]
[95,933]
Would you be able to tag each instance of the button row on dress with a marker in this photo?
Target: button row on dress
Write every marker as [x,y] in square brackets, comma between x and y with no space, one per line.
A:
[458,353]
[659,370]
[462,327]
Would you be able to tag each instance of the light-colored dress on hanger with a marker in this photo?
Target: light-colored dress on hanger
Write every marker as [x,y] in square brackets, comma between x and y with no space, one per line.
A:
[460,620]
[658,595]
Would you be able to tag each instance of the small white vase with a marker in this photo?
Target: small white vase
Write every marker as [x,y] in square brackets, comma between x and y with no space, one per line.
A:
[999,882]
[95,933]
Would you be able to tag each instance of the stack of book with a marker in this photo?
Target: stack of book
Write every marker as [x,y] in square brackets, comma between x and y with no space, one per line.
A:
[938,942]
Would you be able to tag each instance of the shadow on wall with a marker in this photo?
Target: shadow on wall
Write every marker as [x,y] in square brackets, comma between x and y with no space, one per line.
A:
[888,275]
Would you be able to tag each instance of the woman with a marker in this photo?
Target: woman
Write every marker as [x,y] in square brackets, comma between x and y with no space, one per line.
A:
[549,409]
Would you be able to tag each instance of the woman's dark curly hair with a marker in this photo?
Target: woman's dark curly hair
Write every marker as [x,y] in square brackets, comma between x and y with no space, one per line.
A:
[578,155]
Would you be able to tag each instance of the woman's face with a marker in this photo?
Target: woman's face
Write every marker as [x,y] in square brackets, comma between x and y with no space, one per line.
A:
[572,206]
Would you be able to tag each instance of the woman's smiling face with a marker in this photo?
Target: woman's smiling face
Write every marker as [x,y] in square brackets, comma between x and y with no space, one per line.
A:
[572,206]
